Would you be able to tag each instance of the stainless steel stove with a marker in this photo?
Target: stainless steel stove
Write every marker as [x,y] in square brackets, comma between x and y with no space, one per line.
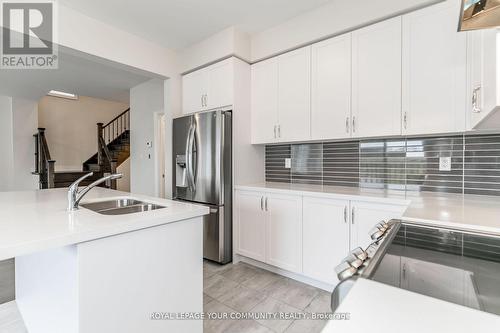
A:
[452,265]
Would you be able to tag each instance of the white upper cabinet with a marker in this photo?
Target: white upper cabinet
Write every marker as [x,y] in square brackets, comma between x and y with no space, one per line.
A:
[434,70]
[331,89]
[294,95]
[484,93]
[376,79]
[220,84]
[193,91]
[264,101]
[208,88]
[326,237]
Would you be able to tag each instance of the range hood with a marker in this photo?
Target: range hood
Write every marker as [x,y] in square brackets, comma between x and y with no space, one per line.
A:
[479,14]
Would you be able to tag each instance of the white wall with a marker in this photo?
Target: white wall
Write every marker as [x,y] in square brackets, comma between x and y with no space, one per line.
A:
[71,128]
[18,123]
[25,124]
[223,44]
[333,18]
[6,146]
[123,184]
[146,100]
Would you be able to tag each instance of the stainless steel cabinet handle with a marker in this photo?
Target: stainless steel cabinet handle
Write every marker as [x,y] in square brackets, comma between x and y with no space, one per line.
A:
[261,203]
[352,215]
[275,131]
[279,131]
[202,100]
[354,124]
[405,120]
[265,205]
[476,108]
[206,100]
[347,124]
[345,214]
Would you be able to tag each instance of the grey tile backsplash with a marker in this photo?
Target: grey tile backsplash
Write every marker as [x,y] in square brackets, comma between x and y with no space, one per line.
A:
[408,164]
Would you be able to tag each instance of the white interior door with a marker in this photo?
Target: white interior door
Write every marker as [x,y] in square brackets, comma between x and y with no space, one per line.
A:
[326,237]
[294,95]
[264,101]
[376,79]
[284,232]
[434,70]
[250,227]
[331,89]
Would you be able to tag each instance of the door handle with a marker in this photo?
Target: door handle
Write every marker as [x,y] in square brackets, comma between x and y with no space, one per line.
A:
[352,215]
[476,108]
[265,203]
[347,124]
[202,101]
[279,131]
[261,203]
[405,120]
[275,131]
[189,157]
[206,100]
[354,124]
[345,214]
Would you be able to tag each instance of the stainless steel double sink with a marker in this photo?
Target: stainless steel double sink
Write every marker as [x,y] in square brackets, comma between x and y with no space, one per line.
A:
[121,206]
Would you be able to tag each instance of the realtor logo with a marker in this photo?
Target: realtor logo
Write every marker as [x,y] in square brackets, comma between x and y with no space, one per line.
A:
[28,33]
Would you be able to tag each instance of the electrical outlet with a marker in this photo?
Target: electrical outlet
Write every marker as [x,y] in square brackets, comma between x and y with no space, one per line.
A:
[288,163]
[445,164]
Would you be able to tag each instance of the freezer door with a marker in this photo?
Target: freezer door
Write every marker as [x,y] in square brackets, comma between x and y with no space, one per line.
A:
[207,158]
[217,231]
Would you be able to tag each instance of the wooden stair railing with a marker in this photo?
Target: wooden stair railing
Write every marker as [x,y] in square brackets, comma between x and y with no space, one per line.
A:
[105,135]
[44,164]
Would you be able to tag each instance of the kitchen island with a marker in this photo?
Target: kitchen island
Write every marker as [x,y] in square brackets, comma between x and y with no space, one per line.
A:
[86,271]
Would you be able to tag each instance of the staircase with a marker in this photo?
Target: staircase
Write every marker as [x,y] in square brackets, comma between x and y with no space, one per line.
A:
[113,148]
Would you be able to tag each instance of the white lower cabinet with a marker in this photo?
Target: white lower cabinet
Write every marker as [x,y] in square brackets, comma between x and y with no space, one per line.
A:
[269,228]
[251,225]
[284,231]
[326,237]
[365,215]
[305,234]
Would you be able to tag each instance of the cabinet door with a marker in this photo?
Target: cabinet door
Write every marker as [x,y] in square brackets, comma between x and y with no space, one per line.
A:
[434,70]
[326,237]
[264,101]
[294,95]
[193,91]
[376,79]
[250,225]
[284,232]
[220,84]
[365,215]
[483,94]
[331,89]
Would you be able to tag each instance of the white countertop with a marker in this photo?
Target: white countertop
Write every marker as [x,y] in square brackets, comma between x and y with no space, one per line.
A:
[467,212]
[376,307]
[33,221]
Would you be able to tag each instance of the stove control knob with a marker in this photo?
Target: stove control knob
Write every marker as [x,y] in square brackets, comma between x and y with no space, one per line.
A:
[359,253]
[345,271]
[376,233]
[354,261]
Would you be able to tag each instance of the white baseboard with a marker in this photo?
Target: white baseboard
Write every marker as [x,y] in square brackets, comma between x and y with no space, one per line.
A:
[294,276]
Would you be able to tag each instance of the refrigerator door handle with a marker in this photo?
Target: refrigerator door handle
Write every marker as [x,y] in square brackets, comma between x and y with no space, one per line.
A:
[189,157]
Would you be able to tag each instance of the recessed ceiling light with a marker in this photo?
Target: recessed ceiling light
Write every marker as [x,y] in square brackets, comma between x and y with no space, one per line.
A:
[62,94]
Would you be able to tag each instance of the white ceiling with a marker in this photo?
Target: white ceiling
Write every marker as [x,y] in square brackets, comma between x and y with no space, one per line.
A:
[179,23]
[76,74]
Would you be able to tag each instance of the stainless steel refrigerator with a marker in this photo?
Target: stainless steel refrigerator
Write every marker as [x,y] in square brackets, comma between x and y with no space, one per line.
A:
[202,165]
